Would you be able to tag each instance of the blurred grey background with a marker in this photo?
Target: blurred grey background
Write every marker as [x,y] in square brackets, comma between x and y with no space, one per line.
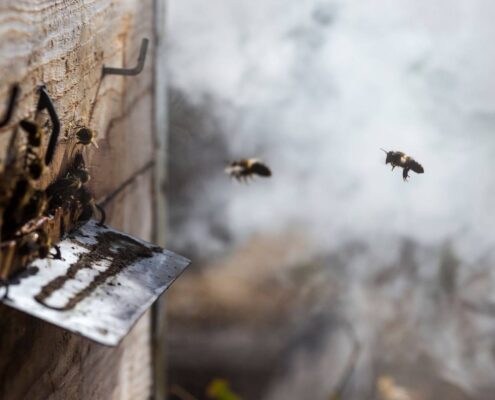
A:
[291,272]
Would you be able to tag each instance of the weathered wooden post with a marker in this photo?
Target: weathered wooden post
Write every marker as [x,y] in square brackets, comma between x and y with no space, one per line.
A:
[64,44]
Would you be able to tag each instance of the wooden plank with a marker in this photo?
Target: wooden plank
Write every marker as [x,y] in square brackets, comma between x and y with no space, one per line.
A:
[63,44]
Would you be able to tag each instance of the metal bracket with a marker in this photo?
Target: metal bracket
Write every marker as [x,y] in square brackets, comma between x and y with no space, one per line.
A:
[45,103]
[14,93]
[130,71]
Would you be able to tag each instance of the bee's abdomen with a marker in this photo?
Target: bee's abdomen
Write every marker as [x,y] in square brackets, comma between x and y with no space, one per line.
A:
[415,166]
[260,169]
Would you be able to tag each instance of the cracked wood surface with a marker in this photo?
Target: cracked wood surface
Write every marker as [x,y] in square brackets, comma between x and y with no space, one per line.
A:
[63,44]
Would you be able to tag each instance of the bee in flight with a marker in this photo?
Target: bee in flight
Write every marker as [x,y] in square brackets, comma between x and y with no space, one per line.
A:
[399,159]
[247,167]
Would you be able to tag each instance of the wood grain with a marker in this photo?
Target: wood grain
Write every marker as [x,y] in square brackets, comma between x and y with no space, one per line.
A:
[63,44]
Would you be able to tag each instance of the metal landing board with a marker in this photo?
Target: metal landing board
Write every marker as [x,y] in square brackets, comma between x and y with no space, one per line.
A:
[105,281]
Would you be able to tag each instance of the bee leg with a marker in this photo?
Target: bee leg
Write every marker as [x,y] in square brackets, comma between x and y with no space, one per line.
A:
[58,253]
[405,174]
[103,215]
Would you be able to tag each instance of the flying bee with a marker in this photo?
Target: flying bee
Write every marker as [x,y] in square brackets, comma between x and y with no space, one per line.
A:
[247,167]
[400,159]
[33,163]
[86,136]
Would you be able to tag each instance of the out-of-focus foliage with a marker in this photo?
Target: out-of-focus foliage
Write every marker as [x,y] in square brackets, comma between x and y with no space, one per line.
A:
[219,389]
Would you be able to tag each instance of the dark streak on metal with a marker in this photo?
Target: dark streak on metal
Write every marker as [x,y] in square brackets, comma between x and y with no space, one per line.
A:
[16,279]
[121,250]
[103,203]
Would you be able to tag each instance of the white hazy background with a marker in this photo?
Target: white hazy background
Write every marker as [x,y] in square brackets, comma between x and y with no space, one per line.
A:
[315,88]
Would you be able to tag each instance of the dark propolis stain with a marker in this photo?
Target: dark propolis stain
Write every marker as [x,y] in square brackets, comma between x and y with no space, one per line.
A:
[121,250]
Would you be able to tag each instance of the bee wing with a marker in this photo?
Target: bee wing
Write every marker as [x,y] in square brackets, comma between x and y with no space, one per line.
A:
[231,169]
[261,169]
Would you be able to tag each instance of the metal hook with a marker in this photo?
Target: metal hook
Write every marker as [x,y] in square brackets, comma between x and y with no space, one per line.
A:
[45,102]
[14,92]
[130,71]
